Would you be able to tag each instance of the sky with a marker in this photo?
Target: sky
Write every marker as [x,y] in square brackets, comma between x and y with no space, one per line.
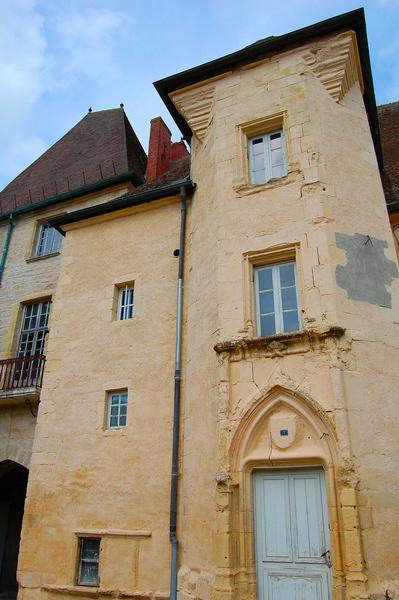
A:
[58,57]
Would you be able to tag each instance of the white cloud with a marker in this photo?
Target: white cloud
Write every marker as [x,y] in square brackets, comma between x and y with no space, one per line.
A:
[46,49]
[87,42]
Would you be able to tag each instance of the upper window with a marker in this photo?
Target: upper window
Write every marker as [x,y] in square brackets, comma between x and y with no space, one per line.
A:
[49,240]
[117,410]
[277,306]
[89,560]
[267,157]
[126,302]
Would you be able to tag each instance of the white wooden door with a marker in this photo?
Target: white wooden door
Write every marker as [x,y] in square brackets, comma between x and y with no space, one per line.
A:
[292,541]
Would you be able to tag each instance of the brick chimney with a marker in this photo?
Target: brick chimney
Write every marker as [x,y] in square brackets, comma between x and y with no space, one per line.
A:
[159,149]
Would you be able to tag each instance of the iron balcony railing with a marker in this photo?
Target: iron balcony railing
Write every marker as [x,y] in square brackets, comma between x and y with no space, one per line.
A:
[22,372]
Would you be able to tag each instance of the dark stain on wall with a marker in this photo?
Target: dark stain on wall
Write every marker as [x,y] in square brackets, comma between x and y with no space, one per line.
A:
[368,271]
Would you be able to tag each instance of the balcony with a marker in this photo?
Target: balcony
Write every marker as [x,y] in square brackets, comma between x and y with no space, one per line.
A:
[21,379]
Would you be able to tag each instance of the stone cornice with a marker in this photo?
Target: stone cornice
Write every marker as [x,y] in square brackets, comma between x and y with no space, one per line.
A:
[336,63]
[196,107]
[280,344]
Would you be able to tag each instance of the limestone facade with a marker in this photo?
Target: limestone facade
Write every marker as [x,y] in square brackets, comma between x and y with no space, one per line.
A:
[336,379]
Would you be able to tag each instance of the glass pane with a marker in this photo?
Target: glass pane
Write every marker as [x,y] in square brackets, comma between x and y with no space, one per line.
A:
[115,399]
[287,274]
[123,398]
[113,422]
[275,140]
[258,177]
[123,409]
[257,141]
[267,325]
[288,298]
[258,162]
[291,322]
[57,241]
[114,410]
[265,279]
[129,312]
[277,157]
[278,171]
[89,573]
[90,549]
[122,421]
[266,302]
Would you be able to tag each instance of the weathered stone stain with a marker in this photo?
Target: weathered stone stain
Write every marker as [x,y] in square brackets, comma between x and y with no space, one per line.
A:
[368,271]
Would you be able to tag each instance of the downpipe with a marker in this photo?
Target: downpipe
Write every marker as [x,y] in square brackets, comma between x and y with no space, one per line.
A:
[176,403]
[10,227]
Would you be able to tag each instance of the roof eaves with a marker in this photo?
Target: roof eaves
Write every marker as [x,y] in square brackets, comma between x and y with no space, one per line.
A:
[354,20]
[121,203]
[85,189]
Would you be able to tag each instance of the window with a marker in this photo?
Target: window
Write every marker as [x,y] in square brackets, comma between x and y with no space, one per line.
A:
[117,409]
[125,302]
[49,240]
[277,306]
[34,329]
[89,559]
[267,157]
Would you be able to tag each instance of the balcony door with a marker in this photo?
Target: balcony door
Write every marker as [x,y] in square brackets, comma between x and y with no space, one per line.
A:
[31,343]
[34,329]
[292,535]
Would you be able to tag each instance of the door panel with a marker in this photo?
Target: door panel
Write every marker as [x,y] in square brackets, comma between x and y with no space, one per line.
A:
[291,534]
[309,535]
[298,587]
[277,532]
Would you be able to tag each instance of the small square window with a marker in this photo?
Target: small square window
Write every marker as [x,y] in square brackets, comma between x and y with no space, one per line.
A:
[267,158]
[117,410]
[89,561]
[277,305]
[49,240]
[125,302]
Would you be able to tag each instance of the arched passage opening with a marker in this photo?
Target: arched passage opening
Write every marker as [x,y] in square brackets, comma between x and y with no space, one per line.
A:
[13,482]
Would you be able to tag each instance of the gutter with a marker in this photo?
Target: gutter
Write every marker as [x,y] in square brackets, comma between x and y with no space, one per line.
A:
[121,203]
[176,404]
[10,227]
[85,189]
[354,20]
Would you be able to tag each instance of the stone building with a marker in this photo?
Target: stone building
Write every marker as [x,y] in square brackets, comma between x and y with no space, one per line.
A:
[218,411]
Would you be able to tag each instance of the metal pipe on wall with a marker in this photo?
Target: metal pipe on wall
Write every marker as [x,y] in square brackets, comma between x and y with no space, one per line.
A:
[176,403]
[10,227]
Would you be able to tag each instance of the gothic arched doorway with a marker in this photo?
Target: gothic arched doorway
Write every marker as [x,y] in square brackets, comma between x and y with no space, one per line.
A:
[13,481]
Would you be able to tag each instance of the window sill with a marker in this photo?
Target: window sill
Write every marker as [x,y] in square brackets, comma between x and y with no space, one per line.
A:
[281,344]
[37,258]
[98,592]
[245,188]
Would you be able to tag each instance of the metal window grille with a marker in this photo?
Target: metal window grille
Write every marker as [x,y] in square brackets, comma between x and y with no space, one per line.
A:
[89,561]
[117,410]
[49,240]
[126,303]
[277,302]
[267,158]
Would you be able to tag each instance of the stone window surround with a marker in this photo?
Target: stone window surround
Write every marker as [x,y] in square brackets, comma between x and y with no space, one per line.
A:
[254,128]
[261,258]
[112,299]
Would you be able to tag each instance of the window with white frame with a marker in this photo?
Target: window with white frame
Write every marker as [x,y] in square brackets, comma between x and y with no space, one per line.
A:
[49,240]
[34,328]
[267,158]
[126,302]
[277,304]
[117,409]
[89,561]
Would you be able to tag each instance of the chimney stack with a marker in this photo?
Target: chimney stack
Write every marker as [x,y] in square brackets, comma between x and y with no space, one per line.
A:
[159,149]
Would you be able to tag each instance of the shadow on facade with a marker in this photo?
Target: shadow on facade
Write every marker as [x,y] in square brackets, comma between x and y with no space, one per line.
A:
[13,481]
